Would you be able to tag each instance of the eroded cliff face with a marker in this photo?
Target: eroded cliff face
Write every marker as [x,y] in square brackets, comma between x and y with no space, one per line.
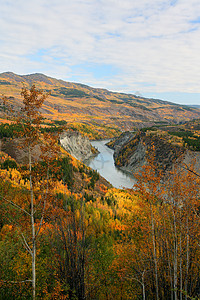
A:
[77,145]
[132,151]
[129,152]
[73,142]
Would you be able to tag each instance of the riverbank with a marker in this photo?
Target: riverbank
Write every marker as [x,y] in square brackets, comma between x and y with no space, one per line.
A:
[104,164]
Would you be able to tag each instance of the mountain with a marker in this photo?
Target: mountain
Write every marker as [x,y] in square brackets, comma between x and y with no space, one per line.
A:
[196,106]
[71,101]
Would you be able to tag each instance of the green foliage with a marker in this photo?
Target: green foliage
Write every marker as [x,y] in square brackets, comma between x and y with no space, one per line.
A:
[110,201]
[3,82]
[94,178]
[60,122]
[8,163]
[189,139]
[51,129]
[74,93]
[13,257]
[182,133]
[102,259]
[145,129]
[62,169]
[194,143]
[116,101]
[9,130]
[88,197]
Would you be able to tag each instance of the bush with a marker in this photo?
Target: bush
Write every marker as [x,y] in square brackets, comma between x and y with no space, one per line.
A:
[8,163]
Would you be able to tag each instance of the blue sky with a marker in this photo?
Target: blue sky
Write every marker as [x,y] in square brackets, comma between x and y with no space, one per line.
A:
[148,47]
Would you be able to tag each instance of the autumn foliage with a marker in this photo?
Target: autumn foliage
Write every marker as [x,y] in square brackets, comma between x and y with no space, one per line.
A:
[94,241]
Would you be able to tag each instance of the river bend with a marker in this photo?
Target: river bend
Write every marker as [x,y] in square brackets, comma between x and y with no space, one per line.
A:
[104,164]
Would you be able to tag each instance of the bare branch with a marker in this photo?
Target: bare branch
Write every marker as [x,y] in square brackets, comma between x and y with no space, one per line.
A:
[26,244]
[5,281]
[188,169]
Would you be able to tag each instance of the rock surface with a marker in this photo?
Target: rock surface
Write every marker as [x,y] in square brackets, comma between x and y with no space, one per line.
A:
[131,152]
[77,145]
[15,149]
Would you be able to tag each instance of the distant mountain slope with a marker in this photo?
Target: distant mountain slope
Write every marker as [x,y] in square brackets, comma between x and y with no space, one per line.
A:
[74,101]
[195,106]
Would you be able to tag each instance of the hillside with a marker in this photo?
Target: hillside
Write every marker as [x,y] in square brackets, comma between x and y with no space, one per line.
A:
[65,233]
[77,102]
[168,143]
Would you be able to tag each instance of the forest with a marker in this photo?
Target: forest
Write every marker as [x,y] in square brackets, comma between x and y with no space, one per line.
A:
[66,233]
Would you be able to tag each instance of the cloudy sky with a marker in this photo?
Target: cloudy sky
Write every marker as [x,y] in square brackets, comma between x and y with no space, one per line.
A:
[147,47]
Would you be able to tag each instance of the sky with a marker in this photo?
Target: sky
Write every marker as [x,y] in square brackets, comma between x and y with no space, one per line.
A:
[144,47]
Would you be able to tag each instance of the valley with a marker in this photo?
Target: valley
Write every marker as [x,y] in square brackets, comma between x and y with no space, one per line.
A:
[65,231]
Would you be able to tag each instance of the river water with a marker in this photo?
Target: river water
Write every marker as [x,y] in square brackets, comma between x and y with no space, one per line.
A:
[104,164]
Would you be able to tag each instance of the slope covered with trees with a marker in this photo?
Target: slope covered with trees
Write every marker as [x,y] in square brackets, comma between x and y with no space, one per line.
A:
[75,102]
[65,233]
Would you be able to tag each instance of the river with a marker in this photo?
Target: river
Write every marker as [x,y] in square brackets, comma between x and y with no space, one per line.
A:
[104,164]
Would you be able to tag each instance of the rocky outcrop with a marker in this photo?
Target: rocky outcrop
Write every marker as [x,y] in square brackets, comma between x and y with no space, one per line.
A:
[72,141]
[118,142]
[136,156]
[15,148]
[77,145]
[135,161]
[132,151]
[192,158]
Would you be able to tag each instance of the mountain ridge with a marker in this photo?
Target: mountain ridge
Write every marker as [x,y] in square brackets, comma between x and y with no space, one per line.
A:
[75,101]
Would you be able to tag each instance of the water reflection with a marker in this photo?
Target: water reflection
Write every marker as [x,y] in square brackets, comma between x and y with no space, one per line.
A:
[104,164]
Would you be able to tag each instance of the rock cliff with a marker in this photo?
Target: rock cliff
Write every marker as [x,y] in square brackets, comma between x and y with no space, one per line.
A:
[131,152]
[77,145]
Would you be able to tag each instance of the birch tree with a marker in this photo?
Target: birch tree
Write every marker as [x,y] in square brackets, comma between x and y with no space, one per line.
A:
[30,118]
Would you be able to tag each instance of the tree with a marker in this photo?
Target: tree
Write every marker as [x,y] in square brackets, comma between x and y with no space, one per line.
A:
[171,231]
[30,119]
[69,247]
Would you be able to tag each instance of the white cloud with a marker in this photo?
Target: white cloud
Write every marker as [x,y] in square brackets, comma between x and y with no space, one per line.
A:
[154,44]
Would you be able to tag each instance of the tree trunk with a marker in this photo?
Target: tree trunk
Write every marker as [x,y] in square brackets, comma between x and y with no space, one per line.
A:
[154,252]
[175,257]
[187,260]
[180,264]
[33,253]
[143,286]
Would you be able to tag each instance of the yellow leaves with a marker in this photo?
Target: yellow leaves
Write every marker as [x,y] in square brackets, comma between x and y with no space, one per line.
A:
[74,162]
[116,225]
[97,215]
[14,176]
[60,187]
[123,199]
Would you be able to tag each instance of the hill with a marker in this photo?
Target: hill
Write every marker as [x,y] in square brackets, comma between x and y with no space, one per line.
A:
[77,102]
[171,144]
